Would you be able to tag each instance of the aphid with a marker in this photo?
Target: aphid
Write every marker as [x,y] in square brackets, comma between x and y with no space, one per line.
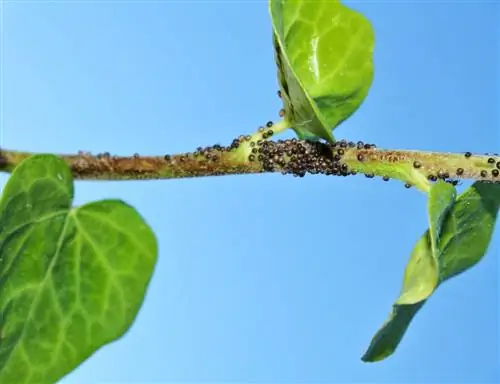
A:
[460,171]
[468,154]
[484,173]
[269,124]
[495,172]
[168,157]
[443,174]
[417,164]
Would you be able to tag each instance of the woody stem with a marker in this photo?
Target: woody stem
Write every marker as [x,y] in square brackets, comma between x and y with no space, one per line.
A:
[256,154]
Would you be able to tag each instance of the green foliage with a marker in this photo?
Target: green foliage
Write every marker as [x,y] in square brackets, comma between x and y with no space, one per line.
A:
[457,239]
[324,51]
[324,54]
[71,279]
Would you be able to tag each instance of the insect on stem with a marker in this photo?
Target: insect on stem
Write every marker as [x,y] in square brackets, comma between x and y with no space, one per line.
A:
[257,154]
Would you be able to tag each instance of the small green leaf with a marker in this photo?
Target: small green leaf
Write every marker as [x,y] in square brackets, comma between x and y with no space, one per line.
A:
[324,54]
[388,337]
[462,238]
[421,276]
[71,279]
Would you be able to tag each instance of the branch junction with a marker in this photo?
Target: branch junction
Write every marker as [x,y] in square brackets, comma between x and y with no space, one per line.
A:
[256,154]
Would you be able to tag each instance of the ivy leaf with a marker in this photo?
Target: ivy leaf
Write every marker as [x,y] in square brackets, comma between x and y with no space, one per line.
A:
[71,279]
[324,55]
[461,241]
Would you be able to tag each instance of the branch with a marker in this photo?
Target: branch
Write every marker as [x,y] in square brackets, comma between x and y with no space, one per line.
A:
[256,154]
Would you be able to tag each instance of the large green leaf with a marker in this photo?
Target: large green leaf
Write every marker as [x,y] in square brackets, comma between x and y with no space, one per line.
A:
[324,54]
[462,240]
[71,279]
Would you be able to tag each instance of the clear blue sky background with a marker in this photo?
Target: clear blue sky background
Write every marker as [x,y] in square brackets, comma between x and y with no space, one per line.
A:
[264,278]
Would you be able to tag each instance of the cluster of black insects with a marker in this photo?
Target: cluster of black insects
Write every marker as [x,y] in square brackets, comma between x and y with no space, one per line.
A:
[495,172]
[300,157]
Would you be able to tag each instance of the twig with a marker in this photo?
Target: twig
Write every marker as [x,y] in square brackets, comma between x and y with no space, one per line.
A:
[256,154]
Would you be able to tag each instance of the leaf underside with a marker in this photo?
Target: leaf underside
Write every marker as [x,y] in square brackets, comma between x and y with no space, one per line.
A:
[71,279]
[324,55]
[421,276]
[458,238]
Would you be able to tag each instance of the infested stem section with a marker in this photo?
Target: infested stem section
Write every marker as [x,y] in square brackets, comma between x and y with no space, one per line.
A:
[256,154]
[420,168]
[104,166]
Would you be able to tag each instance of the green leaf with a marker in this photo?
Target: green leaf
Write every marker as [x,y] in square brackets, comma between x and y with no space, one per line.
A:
[324,55]
[462,237]
[71,279]
[466,236]
[421,276]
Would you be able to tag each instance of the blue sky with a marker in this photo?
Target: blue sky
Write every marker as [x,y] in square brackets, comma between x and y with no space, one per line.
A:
[264,278]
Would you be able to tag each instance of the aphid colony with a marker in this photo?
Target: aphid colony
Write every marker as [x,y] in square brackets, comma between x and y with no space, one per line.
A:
[298,158]
[301,157]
